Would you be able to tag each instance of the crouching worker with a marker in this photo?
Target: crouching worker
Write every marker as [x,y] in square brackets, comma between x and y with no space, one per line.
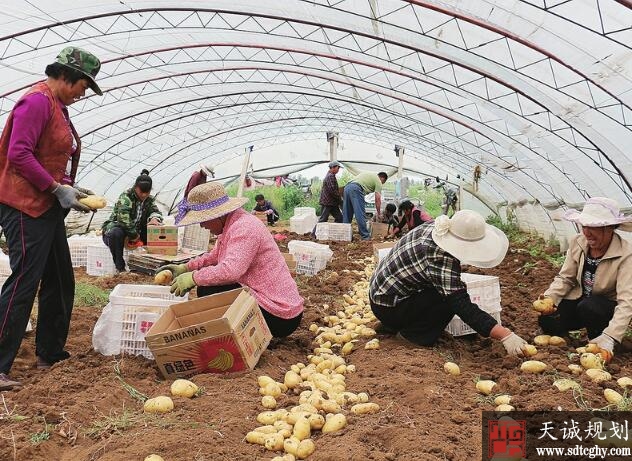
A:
[265,206]
[593,290]
[417,288]
[245,255]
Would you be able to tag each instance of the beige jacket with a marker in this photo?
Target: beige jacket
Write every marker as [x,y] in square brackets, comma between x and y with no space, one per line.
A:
[613,280]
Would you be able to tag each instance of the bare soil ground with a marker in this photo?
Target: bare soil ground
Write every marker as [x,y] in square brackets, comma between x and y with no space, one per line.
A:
[79,411]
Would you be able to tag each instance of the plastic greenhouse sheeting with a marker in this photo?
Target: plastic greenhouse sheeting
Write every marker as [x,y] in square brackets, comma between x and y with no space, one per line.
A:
[534,92]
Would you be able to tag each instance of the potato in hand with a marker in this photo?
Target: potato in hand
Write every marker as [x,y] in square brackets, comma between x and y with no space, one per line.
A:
[544,306]
[94,202]
[163,277]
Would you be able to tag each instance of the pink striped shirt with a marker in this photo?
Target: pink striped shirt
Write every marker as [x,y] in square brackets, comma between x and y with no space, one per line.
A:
[246,253]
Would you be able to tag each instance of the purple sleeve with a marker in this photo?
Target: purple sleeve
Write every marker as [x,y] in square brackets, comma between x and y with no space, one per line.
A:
[30,116]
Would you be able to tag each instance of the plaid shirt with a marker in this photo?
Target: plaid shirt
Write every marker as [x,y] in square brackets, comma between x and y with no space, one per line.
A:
[415,264]
[329,194]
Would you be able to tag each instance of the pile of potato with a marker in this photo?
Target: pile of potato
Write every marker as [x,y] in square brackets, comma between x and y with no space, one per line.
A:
[323,398]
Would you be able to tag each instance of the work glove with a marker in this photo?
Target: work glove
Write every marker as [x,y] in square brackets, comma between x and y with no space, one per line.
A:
[513,344]
[269,211]
[69,197]
[544,305]
[85,191]
[254,211]
[175,269]
[602,345]
[183,284]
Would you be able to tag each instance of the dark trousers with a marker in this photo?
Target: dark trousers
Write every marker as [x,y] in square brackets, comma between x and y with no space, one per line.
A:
[420,318]
[39,256]
[272,218]
[334,211]
[593,313]
[280,328]
[115,241]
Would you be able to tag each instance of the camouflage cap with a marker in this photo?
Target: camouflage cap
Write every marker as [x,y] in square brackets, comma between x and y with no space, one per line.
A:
[86,63]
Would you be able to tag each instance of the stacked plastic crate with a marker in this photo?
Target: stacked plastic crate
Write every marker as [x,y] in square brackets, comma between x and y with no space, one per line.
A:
[139,307]
[78,245]
[195,238]
[484,290]
[99,259]
[304,220]
[333,231]
[310,257]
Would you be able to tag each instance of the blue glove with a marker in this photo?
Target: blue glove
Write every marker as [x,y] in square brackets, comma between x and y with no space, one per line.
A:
[183,284]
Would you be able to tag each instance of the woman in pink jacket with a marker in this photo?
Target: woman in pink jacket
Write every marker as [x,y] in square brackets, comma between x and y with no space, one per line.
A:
[245,254]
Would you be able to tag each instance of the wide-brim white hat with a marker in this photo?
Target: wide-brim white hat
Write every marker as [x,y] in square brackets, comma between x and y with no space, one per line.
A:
[468,238]
[599,212]
[206,202]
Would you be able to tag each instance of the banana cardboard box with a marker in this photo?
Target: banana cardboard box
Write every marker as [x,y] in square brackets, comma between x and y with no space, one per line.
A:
[221,333]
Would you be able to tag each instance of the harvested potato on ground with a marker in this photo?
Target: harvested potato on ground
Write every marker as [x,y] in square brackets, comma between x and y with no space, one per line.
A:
[566,384]
[529,350]
[589,360]
[624,382]
[94,202]
[533,366]
[504,407]
[256,437]
[365,408]
[268,402]
[612,396]
[503,399]
[485,386]
[557,341]
[452,368]
[372,344]
[542,340]
[163,277]
[597,376]
[334,423]
[160,404]
[305,448]
[575,369]
[154,457]
[184,388]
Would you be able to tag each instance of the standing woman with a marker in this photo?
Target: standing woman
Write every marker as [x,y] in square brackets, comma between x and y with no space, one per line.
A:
[39,155]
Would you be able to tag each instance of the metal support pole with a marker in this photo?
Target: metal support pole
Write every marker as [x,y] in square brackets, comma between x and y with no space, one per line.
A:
[332,138]
[244,169]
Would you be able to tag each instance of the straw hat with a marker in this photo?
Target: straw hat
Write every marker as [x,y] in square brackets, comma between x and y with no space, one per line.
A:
[599,212]
[206,202]
[468,238]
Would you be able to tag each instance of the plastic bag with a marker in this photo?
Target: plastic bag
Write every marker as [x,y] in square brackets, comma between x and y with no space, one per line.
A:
[106,336]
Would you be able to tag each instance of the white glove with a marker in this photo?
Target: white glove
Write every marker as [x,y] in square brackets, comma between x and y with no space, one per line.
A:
[269,211]
[513,344]
[604,342]
[254,211]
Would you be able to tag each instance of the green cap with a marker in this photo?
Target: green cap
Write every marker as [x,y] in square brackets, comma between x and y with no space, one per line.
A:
[86,63]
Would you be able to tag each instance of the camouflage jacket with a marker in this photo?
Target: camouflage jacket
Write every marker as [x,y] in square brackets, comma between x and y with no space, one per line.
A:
[130,214]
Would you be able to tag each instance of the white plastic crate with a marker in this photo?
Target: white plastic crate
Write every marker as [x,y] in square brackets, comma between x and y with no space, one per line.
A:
[310,257]
[5,268]
[303,224]
[78,245]
[141,306]
[484,290]
[333,231]
[195,238]
[99,260]
[304,210]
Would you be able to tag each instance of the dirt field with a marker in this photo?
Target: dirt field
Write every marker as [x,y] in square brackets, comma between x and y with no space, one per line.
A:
[79,411]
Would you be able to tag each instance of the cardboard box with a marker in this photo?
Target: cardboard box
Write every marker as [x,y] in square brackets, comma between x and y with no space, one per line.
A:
[162,240]
[379,230]
[382,249]
[220,333]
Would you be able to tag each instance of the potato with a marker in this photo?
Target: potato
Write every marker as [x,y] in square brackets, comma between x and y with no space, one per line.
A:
[163,277]
[268,402]
[160,404]
[285,457]
[365,408]
[347,348]
[372,344]
[504,407]
[184,388]
[291,445]
[542,340]
[334,423]
[575,369]
[292,379]
[267,417]
[94,202]
[589,360]
[154,457]
[273,442]
[305,448]
[264,380]
[452,368]
[256,437]
[624,382]
[273,389]
[269,429]
[612,396]
[485,386]
[316,421]
[597,376]
[503,399]
[302,429]
[529,350]
[533,366]
[363,397]
[566,384]
[544,305]
[557,341]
